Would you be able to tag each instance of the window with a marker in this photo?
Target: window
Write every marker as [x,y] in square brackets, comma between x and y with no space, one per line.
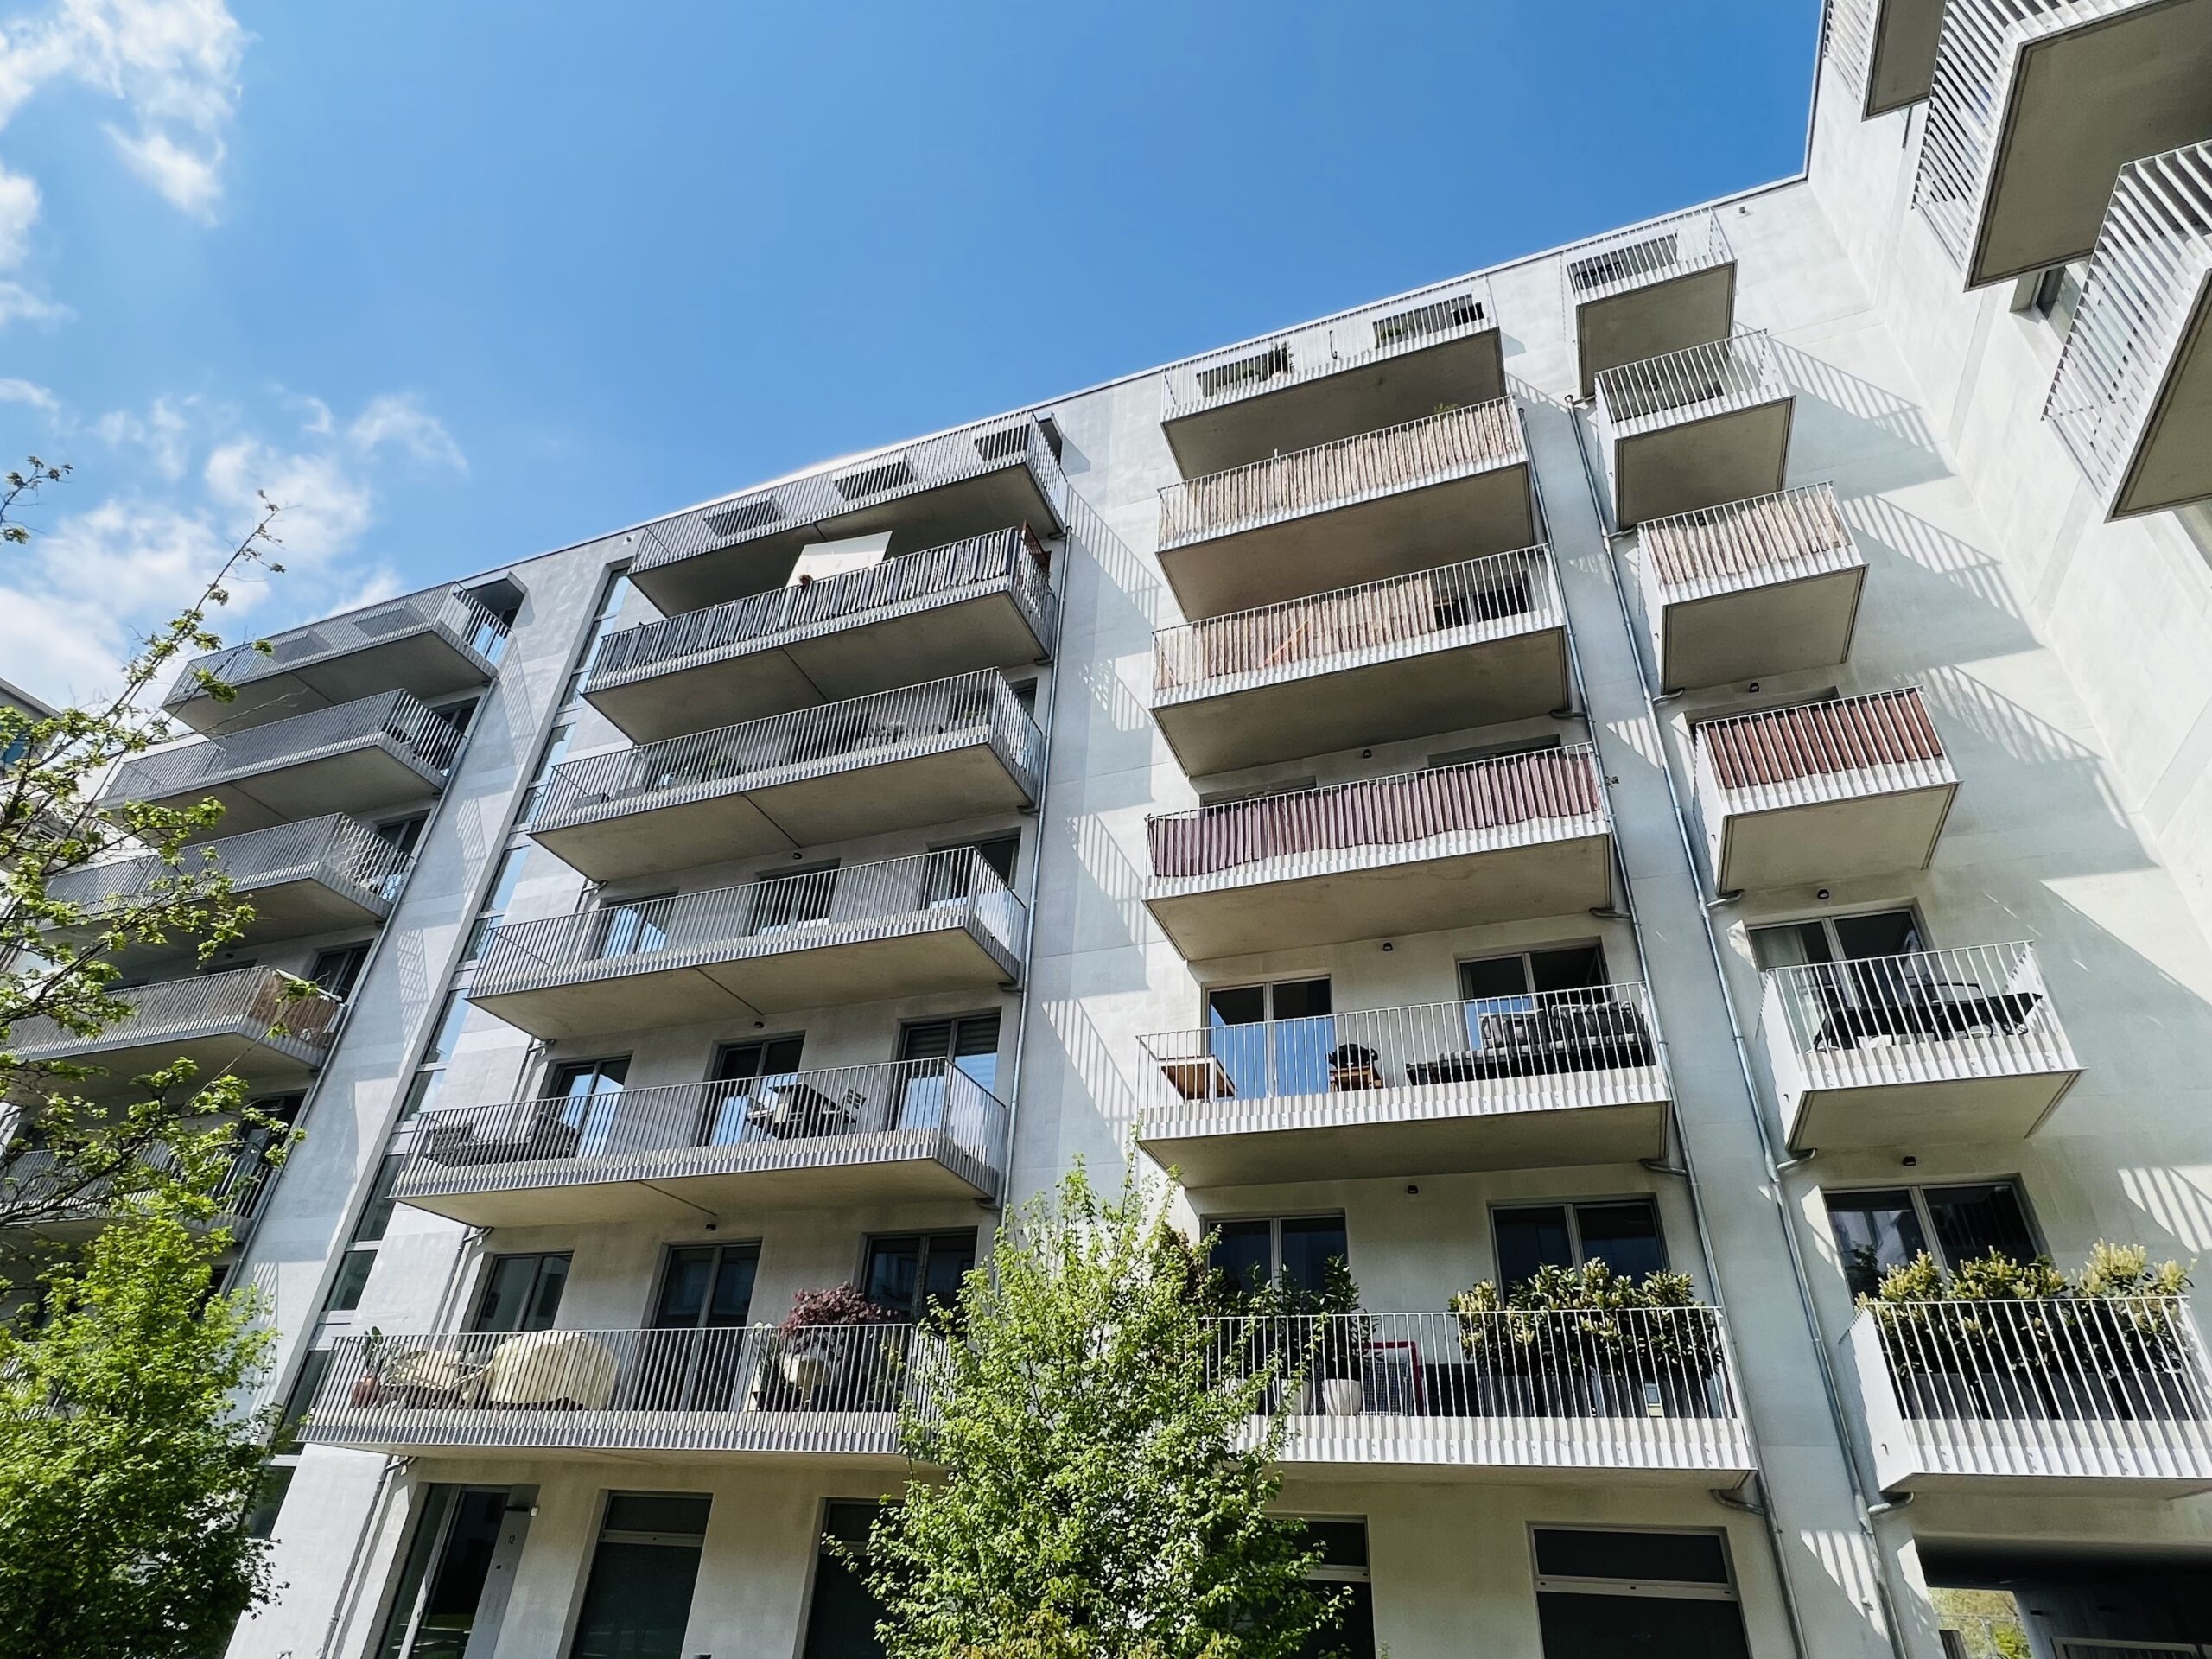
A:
[951,873]
[403,835]
[337,971]
[1838,939]
[315,1364]
[429,1072]
[556,745]
[971,1042]
[706,1295]
[448,1566]
[638,1599]
[1271,1040]
[842,1613]
[1255,1250]
[611,600]
[1343,1566]
[632,927]
[2057,296]
[1886,1227]
[522,1292]
[740,1112]
[1623,1233]
[784,898]
[504,881]
[1637,1595]
[590,1092]
[361,1246]
[916,1271]
[1571,968]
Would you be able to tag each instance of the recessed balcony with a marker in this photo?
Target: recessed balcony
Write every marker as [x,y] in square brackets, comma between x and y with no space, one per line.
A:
[1886,49]
[359,758]
[1936,1048]
[1380,366]
[1465,644]
[72,1209]
[2037,105]
[1645,1397]
[1452,485]
[2089,1395]
[432,644]
[1755,587]
[987,601]
[1645,292]
[298,880]
[1695,429]
[935,753]
[1823,791]
[2132,398]
[248,1023]
[942,490]
[1553,1079]
[737,1392]
[904,927]
[913,1131]
[1484,840]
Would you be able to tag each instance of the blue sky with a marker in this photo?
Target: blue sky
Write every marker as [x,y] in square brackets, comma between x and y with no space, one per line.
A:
[458,282]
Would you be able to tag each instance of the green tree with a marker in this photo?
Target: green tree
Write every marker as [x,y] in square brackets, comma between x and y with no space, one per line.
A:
[61,1153]
[126,1470]
[1104,1492]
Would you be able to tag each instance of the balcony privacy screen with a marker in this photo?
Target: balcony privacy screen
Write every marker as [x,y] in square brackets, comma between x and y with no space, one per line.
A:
[1820,739]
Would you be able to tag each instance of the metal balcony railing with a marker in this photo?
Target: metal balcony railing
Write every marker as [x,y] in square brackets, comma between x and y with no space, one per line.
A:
[2152,260]
[884,726]
[1457,443]
[2079,1386]
[1492,598]
[852,904]
[1693,385]
[341,852]
[1541,1050]
[395,720]
[452,611]
[1475,806]
[257,1001]
[1771,538]
[1982,43]
[1847,36]
[29,1180]
[1370,335]
[1612,265]
[799,504]
[830,1117]
[1009,561]
[1633,1388]
[1930,1016]
[1872,745]
[830,1389]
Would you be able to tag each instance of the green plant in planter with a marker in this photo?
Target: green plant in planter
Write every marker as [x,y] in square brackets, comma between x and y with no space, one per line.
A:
[1617,1324]
[1347,1333]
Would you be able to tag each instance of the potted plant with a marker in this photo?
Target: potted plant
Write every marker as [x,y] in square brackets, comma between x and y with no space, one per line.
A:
[817,1340]
[1496,1349]
[2123,1348]
[1346,1336]
[1285,1329]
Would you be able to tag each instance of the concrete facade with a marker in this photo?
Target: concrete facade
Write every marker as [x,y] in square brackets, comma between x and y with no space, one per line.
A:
[2065,663]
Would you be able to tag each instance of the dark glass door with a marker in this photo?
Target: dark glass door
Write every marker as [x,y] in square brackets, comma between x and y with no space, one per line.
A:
[739,1112]
[706,1296]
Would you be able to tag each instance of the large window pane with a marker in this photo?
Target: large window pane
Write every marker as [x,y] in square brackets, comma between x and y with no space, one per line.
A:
[1529,1237]
[841,1617]
[1639,1627]
[1308,1243]
[1624,1236]
[1972,1221]
[1874,1232]
[1243,1253]
[637,1601]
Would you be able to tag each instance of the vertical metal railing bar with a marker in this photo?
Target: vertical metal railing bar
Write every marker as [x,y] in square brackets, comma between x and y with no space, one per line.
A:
[1974,1010]
[1779,757]
[1693,384]
[337,848]
[259,997]
[1767,538]
[453,611]
[1624,260]
[397,719]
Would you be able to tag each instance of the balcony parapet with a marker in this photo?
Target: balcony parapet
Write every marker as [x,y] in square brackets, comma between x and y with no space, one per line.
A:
[2110,1395]
[337,851]
[794,1134]
[1651,289]
[255,1006]
[29,1180]
[1884,49]
[2135,372]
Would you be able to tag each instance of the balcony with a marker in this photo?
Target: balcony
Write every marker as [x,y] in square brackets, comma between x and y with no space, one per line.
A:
[934,753]
[2132,398]
[733,1392]
[298,879]
[1886,49]
[27,1186]
[1648,1396]
[1487,841]
[987,601]
[1823,792]
[2080,1395]
[1938,1046]
[858,1135]
[1755,588]
[905,927]
[1382,366]
[1553,1079]
[1646,292]
[245,1023]
[1452,485]
[1465,644]
[1695,429]
[359,758]
[942,490]
[2037,105]
[432,644]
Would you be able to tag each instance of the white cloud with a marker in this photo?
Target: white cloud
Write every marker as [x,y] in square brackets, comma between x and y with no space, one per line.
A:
[325,505]
[23,391]
[395,418]
[19,304]
[163,432]
[19,204]
[191,180]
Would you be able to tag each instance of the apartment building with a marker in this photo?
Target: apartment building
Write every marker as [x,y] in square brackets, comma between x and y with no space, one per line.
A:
[1687,750]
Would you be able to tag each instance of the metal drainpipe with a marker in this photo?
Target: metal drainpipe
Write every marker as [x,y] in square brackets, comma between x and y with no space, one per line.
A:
[1864,1496]
[1050,681]
[1777,1544]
